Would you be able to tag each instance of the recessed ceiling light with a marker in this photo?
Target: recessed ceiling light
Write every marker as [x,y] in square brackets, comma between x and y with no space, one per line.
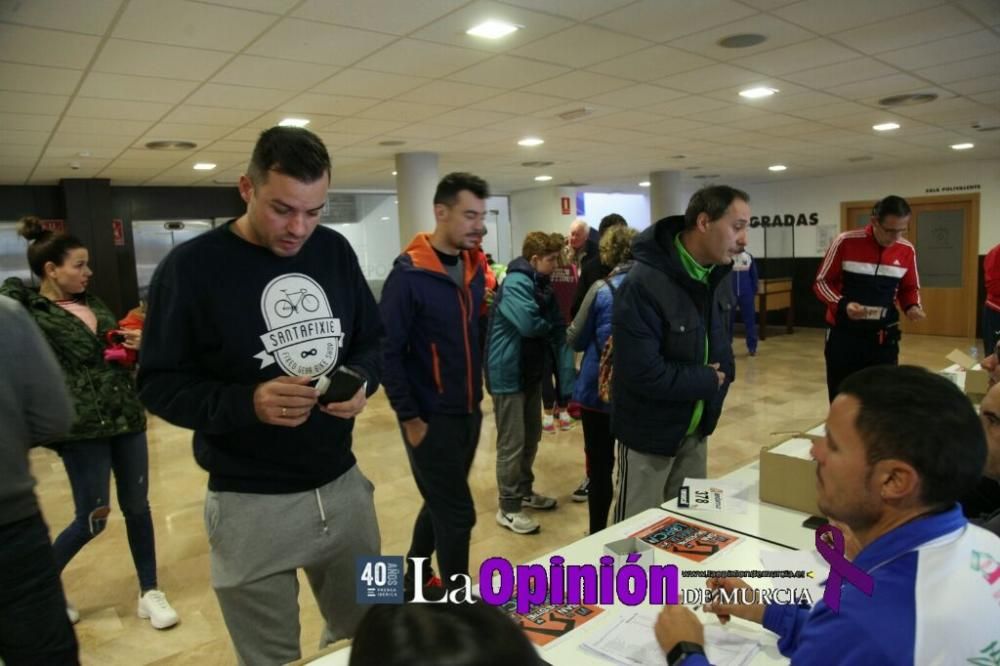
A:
[777,167]
[962,146]
[531,141]
[757,93]
[644,183]
[294,122]
[885,127]
[171,144]
[385,219]
[393,173]
[542,179]
[204,166]
[492,29]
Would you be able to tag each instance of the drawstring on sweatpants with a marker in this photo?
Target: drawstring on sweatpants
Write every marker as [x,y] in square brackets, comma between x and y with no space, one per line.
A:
[322,513]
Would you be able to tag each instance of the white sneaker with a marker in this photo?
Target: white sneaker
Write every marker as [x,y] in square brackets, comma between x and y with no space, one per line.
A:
[72,614]
[536,501]
[565,421]
[517,522]
[154,606]
[548,424]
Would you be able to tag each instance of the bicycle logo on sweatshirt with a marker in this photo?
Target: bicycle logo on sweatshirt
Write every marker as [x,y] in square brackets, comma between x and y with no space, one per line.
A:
[303,336]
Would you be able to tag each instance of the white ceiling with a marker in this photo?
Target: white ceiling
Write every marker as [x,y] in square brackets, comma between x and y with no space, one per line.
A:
[91,82]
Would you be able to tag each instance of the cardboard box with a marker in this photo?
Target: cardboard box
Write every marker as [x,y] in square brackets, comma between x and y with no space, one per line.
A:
[787,479]
[621,549]
[977,380]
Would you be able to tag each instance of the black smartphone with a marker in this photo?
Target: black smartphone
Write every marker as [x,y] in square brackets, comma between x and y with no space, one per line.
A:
[814,522]
[340,386]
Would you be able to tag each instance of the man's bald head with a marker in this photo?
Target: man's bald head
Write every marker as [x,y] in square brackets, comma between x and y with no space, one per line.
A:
[579,230]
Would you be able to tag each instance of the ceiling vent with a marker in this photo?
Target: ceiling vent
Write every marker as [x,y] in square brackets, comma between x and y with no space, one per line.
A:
[741,41]
[576,114]
[706,176]
[984,127]
[171,144]
[537,164]
[908,100]
[860,158]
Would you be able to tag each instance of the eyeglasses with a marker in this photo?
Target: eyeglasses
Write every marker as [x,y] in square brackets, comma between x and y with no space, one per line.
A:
[890,230]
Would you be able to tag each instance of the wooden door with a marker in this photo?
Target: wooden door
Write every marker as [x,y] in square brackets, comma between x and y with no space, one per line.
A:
[945,232]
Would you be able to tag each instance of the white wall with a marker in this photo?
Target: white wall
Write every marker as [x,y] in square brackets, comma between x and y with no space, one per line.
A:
[633,207]
[824,196]
[539,209]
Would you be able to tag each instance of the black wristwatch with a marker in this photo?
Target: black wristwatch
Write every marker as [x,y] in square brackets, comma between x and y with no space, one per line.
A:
[682,651]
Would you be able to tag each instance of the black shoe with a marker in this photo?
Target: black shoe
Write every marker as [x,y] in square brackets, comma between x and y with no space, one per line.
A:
[433,588]
[582,493]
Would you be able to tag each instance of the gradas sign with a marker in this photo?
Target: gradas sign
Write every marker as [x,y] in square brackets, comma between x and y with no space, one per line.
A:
[785,220]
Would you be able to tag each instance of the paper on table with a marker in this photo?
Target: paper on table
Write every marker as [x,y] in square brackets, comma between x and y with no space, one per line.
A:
[797,447]
[713,495]
[818,431]
[631,640]
[797,560]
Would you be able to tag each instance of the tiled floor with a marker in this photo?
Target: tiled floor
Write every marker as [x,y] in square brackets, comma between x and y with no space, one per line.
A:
[782,389]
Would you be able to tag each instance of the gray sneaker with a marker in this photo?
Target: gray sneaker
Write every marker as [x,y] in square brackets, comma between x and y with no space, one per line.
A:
[536,501]
[517,522]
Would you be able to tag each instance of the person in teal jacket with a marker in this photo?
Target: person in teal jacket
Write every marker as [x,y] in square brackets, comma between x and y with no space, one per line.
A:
[525,325]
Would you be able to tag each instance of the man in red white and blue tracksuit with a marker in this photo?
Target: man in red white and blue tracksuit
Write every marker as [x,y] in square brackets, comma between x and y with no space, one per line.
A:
[864,275]
[432,365]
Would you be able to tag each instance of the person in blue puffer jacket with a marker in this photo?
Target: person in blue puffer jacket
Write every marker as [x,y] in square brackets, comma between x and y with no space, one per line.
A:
[589,333]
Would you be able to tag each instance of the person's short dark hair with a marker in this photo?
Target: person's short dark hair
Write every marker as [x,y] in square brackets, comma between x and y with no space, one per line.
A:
[914,415]
[293,151]
[609,221]
[449,187]
[891,205]
[45,245]
[440,635]
[714,200]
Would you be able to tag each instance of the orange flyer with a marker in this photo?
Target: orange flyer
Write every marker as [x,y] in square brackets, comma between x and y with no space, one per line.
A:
[547,622]
[686,538]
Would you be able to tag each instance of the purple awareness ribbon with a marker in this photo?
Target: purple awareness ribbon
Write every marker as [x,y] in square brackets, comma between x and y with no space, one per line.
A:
[840,568]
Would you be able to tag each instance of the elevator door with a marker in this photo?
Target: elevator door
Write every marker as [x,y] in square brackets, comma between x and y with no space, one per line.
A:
[13,254]
[155,238]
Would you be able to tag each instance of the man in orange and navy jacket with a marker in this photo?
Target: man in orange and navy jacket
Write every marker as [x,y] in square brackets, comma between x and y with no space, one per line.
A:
[433,374]
[865,273]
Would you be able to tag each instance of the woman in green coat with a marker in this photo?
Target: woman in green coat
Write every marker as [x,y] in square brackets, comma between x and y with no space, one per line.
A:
[109,432]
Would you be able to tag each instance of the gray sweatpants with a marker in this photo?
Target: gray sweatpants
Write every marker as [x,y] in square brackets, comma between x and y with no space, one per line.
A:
[646,480]
[259,541]
[519,429]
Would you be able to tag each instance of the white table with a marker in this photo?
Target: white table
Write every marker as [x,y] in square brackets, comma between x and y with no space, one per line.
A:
[762,520]
[745,554]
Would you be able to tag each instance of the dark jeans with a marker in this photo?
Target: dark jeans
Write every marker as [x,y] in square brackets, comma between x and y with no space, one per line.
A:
[848,352]
[550,384]
[440,467]
[745,302]
[89,464]
[599,444]
[34,628]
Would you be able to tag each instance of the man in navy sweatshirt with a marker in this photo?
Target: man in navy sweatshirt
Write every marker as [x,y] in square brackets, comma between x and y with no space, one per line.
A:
[433,372]
[242,321]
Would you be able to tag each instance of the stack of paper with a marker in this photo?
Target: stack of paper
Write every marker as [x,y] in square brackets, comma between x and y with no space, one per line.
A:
[630,640]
